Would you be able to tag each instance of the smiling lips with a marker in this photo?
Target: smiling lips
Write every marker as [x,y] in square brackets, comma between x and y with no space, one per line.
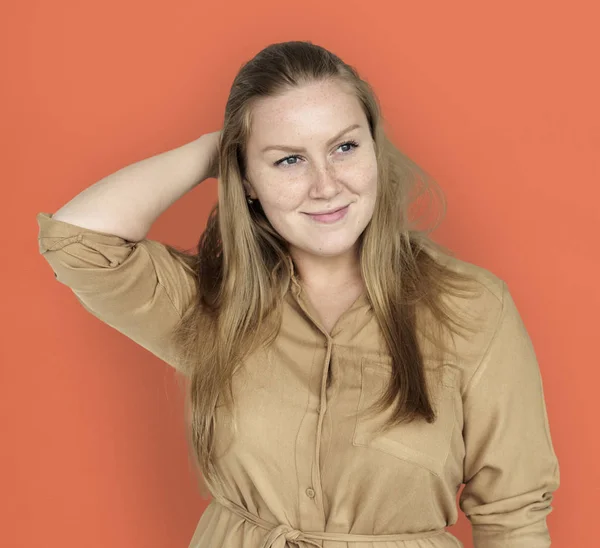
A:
[329,216]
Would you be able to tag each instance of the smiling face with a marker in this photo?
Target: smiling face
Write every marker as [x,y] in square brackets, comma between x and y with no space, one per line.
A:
[326,171]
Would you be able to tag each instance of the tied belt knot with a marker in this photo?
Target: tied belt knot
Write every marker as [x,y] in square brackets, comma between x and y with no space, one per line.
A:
[278,536]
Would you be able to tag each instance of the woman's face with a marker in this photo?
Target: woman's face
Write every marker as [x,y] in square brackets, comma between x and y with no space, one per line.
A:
[327,170]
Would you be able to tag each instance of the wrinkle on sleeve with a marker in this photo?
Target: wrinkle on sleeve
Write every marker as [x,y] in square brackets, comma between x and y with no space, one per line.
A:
[510,467]
[137,288]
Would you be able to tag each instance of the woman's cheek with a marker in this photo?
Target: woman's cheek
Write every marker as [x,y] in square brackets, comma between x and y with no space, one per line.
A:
[285,197]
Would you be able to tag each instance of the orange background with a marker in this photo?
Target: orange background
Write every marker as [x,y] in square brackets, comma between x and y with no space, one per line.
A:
[498,101]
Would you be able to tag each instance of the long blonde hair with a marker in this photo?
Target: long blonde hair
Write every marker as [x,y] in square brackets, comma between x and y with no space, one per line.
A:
[243,268]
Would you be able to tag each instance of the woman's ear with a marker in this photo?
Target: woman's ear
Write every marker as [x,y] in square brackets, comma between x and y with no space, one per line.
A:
[249,189]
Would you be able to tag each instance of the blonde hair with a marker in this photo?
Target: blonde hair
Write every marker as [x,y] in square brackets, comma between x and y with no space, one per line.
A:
[243,268]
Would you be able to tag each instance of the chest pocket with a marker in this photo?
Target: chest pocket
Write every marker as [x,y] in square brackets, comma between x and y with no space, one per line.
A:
[419,442]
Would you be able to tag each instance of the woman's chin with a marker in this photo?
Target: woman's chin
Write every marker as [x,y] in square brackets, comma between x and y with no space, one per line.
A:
[328,249]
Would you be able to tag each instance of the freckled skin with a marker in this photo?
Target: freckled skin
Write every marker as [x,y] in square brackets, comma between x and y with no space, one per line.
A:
[319,179]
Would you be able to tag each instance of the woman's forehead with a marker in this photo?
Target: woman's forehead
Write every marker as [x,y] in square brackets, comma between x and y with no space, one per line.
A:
[302,121]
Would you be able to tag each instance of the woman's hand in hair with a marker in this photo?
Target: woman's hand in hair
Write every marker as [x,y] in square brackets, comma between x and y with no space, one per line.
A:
[212,146]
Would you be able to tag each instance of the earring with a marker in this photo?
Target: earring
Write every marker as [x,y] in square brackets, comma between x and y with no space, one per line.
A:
[250,200]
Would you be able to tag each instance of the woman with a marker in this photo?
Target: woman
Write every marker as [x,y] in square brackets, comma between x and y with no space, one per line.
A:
[346,374]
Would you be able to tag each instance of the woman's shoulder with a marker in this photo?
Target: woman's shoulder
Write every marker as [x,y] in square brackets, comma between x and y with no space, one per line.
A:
[490,287]
[478,308]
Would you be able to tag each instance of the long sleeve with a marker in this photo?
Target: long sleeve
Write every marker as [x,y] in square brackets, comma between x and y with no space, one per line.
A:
[137,288]
[510,467]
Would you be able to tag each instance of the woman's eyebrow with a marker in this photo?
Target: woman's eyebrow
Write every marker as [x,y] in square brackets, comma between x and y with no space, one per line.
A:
[300,149]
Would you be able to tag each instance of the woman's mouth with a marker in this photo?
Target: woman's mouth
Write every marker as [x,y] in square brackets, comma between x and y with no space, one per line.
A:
[330,216]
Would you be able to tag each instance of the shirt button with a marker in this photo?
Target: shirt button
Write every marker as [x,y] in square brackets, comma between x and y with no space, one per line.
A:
[310,492]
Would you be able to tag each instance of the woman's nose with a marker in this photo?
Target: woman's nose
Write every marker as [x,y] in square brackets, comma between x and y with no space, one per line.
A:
[324,183]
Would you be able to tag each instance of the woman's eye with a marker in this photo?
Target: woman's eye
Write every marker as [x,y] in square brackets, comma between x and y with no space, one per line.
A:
[351,144]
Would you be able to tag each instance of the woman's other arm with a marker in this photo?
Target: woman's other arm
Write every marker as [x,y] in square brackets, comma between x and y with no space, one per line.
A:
[511,470]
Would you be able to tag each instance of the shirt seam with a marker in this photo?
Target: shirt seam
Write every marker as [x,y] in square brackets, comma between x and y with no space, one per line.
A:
[471,382]
[60,241]
[169,297]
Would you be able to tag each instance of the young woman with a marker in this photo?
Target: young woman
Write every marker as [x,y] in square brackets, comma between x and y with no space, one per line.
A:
[346,374]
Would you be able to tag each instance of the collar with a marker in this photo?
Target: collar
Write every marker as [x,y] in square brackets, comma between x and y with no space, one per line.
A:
[295,284]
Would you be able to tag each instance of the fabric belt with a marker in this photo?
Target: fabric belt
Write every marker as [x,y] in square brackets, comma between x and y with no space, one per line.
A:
[279,535]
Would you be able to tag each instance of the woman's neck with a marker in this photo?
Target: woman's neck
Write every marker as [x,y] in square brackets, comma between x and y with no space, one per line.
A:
[323,273]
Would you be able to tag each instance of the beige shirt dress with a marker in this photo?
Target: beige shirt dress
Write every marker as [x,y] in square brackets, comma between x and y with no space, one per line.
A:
[305,468]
